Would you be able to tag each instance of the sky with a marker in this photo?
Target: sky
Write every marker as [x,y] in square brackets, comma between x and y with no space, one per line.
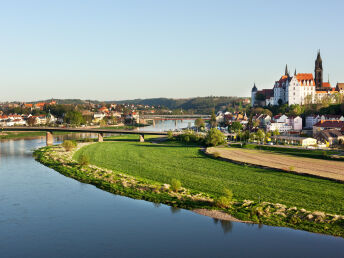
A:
[115,50]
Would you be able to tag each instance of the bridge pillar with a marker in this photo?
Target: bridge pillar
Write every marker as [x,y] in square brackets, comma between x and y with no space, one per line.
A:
[142,138]
[154,122]
[49,138]
[100,137]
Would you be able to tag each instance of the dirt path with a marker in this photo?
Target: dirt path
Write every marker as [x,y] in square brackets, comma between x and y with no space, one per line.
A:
[318,167]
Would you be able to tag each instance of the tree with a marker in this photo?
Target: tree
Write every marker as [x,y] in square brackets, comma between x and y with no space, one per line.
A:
[214,137]
[260,135]
[235,127]
[31,121]
[199,122]
[74,118]
[275,132]
[170,135]
[213,122]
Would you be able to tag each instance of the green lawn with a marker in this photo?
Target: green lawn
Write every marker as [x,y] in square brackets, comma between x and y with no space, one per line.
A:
[163,162]
[308,153]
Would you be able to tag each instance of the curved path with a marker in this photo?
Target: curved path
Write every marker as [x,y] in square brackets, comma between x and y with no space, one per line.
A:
[318,167]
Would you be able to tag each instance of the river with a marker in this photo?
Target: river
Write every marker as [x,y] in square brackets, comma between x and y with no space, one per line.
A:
[45,214]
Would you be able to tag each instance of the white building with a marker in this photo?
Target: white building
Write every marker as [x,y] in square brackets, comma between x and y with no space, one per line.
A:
[281,127]
[301,86]
[295,122]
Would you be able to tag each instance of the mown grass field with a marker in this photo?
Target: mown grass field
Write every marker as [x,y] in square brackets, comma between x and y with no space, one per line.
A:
[165,161]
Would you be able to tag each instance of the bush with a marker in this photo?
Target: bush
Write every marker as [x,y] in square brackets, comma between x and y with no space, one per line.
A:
[84,160]
[170,135]
[223,202]
[68,145]
[189,136]
[214,137]
[226,200]
[175,185]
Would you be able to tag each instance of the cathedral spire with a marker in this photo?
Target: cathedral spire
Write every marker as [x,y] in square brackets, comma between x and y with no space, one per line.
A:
[318,71]
[295,72]
[286,70]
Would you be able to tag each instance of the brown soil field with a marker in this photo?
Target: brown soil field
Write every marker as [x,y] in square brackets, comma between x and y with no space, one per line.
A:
[317,167]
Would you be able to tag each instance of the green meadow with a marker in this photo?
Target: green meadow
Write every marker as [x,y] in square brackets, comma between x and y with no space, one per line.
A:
[172,160]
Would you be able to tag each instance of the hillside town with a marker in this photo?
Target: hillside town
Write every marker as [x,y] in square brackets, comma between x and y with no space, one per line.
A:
[54,114]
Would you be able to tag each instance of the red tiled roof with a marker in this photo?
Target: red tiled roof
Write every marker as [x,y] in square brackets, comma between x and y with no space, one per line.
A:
[326,85]
[330,124]
[304,77]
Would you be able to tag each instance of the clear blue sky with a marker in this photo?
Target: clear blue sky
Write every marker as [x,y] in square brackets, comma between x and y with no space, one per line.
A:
[109,50]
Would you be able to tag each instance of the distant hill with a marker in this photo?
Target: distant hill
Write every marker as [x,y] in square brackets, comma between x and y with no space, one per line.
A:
[196,105]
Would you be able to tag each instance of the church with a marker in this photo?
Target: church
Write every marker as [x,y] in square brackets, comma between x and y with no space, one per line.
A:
[301,88]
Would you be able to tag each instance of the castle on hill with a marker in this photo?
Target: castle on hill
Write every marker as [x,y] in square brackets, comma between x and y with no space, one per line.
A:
[301,88]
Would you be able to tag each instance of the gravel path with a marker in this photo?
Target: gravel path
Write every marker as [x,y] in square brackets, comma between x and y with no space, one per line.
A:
[323,168]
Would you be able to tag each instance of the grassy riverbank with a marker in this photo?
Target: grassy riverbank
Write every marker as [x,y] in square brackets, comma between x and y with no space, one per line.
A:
[261,196]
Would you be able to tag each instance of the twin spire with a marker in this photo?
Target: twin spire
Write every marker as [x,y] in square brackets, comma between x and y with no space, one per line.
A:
[287,72]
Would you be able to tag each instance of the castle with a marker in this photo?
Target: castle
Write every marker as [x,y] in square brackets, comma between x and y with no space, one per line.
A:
[301,88]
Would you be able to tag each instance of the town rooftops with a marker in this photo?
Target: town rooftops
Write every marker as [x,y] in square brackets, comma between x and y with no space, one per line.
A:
[330,124]
[331,133]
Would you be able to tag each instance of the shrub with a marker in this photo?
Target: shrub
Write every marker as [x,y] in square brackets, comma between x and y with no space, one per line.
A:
[170,135]
[222,202]
[84,160]
[214,137]
[175,185]
[68,145]
[226,200]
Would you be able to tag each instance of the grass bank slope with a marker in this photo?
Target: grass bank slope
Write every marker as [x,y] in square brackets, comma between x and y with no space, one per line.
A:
[163,162]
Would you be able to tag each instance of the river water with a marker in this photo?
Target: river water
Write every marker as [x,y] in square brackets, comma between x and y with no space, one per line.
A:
[45,214]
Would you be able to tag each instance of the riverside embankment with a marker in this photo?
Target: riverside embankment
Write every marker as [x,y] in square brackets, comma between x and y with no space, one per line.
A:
[143,171]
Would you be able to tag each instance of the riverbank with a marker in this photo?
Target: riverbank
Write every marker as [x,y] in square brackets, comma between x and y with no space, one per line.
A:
[118,181]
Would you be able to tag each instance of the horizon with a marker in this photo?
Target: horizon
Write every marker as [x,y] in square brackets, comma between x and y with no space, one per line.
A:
[119,100]
[133,50]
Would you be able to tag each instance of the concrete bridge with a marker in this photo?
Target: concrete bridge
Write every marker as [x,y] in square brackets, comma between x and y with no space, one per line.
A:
[49,132]
[173,117]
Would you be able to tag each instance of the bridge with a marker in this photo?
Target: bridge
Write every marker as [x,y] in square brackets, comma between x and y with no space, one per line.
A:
[173,117]
[49,132]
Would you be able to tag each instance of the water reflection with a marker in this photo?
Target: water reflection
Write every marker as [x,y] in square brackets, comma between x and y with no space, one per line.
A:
[226,225]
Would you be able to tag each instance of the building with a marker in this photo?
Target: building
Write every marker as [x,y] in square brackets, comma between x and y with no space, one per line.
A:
[293,140]
[327,124]
[332,136]
[301,85]
[340,87]
[253,95]
[295,122]
[299,89]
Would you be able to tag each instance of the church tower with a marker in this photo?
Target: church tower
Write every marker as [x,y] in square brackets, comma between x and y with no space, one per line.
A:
[318,72]
[253,95]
